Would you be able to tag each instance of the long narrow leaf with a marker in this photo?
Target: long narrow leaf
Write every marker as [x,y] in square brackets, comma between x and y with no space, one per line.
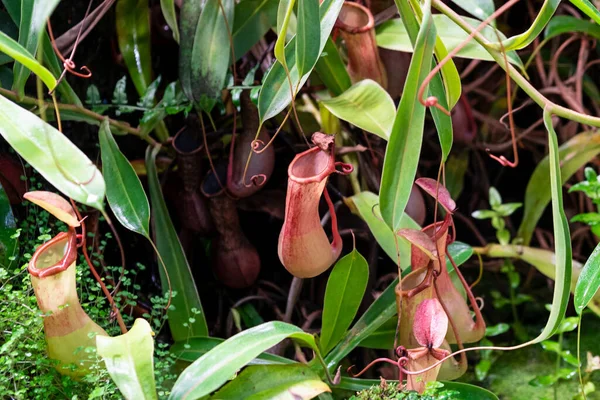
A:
[124,190]
[252,20]
[332,70]
[308,37]
[20,54]
[588,282]
[54,156]
[275,94]
[133,33]
[186,317]
[220,364]
[404,147]
[34,14]
[588,9]
[168,10]
[345,289]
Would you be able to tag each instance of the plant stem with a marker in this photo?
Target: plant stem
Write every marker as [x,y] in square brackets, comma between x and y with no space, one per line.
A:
[123,126]
[520,80]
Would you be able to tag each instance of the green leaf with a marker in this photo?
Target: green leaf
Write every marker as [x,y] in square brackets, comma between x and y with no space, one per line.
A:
[365,105]
[562,238]
[332,70]
[587,218]
[308,38]
[588,282]
[34,14]
[20,54]
[404,147]
[168,10]
[484,214]
[508,208]
[195,347]
[185,305]
[478,8]
[562,24]
[574,153]
[58,160]
[216,367]
[253,19]
[523,40]
[124,190]
[204,50]
[8,228]
[345,289]
[588,9]
[275,94]
[258,382]
[129,359]
[392,35]
[133,32]
[365,204]
[284,14]
[496,330]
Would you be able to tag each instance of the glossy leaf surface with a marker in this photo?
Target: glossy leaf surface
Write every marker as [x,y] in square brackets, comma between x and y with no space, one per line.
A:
[129,359]
[588,9]
[34,14]
[183,321]
[124,191]
[365,105]
[345,289]
[253,19]
[545,13]
[574,153]
[478,8]
[275,94]
[168,9]
[404,146]
[13,49]
[308,38]
[332,70]
[269,381]
[220,364]
[588,282]
[54,156]
[133,32]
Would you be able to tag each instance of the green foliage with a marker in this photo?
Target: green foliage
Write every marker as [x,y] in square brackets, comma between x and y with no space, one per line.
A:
[497,214]
[390,391]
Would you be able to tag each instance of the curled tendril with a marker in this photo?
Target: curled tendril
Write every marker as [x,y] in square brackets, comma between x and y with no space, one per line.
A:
[346,168]
[70,67]
[258,146]
[480,302]
[257,180]
[505,162]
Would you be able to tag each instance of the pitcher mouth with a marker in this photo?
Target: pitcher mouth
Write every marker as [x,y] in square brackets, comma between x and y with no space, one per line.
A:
[69,239]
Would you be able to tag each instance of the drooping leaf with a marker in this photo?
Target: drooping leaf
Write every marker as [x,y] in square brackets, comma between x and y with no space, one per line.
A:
[8,228]
[129,359]
[168,9]
[275,94]
[133,32]
[257,382]
[204,51]
[404,147]
[365,204]
[332,70]
[25,58]
[34,14]
[393,35]
[574,153]
[55,205]
[54,156]
[478,8]
[253,19]
[523,40]
[220,364]
[562,238]
[284,14]
[308,38]
[588,9]
[186,317]
[438,192]
[195,347]
[124,190]
[365,105]
[345,289]
[588,282]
